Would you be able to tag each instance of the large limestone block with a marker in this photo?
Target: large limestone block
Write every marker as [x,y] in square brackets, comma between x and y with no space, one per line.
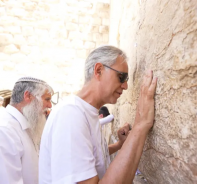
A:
[9,49]
[161,35]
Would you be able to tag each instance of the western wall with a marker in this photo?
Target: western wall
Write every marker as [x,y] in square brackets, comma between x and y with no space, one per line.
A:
[162,36]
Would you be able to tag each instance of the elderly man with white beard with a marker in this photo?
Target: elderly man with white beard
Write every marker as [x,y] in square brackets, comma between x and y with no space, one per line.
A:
[18,128]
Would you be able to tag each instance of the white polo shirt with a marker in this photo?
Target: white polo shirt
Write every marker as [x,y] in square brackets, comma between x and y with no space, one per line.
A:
[18,157]
[72,148]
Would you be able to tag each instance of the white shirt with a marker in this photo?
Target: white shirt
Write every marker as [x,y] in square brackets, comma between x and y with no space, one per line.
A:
[106,119]
[72,148]
[18,157]
[2,109]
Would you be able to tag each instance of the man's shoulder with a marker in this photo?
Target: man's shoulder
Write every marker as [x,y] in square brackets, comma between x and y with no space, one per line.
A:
[9,129]
[8,122]
[70,102]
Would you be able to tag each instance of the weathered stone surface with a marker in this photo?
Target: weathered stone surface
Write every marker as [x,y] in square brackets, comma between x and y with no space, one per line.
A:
[89,45]
[96,21]
[19,40]
[2,11]
[32,40]
[161,35]
[82,53]
[85,36]
[102,6]
[71,18]
[97,37]
[9,49]
[18,12]
[105,22]
[77,44]
[5,39]
[139,180]
[71,26]
[27,31]
[86,28]
[18,58]
[103,29]
[13,29]
[9,66]
[84,19]
[4,57]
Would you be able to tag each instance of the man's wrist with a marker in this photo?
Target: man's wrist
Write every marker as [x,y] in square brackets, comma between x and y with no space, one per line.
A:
[141,128]
[119,144]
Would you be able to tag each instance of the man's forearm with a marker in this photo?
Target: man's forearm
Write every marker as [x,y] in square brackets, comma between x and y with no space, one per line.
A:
[124,166]
[114,147]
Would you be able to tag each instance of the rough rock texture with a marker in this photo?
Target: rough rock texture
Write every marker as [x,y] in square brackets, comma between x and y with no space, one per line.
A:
[161,35]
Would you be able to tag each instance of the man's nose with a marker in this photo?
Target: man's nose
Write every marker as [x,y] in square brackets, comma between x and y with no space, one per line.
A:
[124,85]
[49,105]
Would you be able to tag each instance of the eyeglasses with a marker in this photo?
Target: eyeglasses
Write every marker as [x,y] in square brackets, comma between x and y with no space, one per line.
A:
[123,77]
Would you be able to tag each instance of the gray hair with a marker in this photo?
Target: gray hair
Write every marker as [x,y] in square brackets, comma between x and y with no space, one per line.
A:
[36,89]
[106,55]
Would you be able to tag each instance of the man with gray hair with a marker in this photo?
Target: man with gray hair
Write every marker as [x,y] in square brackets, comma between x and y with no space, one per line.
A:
[72,147]
[18,126]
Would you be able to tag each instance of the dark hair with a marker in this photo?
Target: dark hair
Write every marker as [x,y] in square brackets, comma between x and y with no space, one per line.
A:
[104,110]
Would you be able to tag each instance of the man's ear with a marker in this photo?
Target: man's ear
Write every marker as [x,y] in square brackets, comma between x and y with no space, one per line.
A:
[100,116]
[27,96]
[98,69]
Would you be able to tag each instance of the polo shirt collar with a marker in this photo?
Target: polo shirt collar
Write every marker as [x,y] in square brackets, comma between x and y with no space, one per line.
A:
[18,116]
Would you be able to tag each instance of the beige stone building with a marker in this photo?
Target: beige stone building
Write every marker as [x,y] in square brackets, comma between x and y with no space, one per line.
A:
[50,39]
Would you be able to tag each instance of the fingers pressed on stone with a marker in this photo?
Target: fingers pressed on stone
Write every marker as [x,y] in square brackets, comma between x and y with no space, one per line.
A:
[146,81]
[149,77]
[152,87]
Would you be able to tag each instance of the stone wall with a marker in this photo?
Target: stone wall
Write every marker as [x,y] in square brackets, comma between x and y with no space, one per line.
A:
[50,39]
[162,36]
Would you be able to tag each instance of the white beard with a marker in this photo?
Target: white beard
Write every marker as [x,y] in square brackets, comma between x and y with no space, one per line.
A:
[35,116]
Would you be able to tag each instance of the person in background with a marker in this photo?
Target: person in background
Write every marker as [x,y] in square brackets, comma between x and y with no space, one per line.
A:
[18,129]
[104,116]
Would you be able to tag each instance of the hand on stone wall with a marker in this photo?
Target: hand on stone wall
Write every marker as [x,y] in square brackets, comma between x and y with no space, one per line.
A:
[145,108]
